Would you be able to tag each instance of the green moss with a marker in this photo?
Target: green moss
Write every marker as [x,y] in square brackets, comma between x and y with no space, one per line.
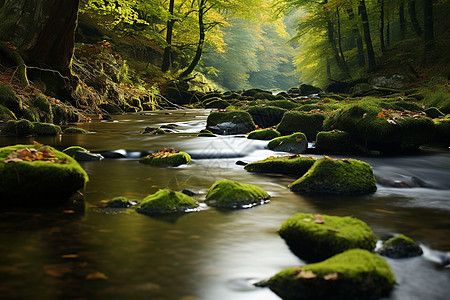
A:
[216,103]
[119,202]
[41,102]
[295,165]
[400,246]
[263,134]
[241,119]
[46,129]
[354,274]
[73,149]
[18,128]
[166,159]
[9,99]
[264,95]
[75,130]
[266,116]
[442,131]
[39,182]
[334,142]
[165,202]
[285,104]
[294,143]
[6,114]
[306,90]
[231,194]
[411,106]
[206,133]
[314,237]
[31,114]
[329,176]
[295,121]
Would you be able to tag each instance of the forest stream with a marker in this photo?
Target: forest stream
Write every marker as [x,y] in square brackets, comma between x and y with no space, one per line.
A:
[91,252]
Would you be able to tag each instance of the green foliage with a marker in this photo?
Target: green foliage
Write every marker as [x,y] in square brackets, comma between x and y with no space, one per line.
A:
[232,194]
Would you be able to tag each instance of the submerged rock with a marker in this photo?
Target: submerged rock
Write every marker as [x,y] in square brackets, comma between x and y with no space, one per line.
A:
[166,158]
[317,237]
[400,246]
[38,175]
[232,194]
[354,274]
[263,134]
[119,202]
[294,143]
[233,122]
[166,202]
[330,176]
[290,165]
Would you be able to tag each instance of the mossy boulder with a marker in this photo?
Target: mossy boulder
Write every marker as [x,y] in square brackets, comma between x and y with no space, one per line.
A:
[42,103]
[289,165]
[46,129]
[74,149]
[232,194]
[354,274]
[119,202]
[332,176]
[216,103]
[263,134]
[285,104]
[382,130]
[9,99]
[334,142]
[297,121]
[294,143]
[317,237]
[166,158]
[165,202]
[266,116]
[18,128]
[400,246]
[38,175]
[230,122]
[75,130]
[307,89]
[206,133]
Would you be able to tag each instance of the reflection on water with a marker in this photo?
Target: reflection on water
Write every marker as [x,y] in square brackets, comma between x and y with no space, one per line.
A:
[211,254]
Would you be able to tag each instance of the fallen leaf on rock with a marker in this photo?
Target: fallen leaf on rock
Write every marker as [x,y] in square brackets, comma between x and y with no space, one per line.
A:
[96,276]
[331,276]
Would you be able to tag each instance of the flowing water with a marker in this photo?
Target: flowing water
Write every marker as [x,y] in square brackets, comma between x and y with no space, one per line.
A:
[96,253]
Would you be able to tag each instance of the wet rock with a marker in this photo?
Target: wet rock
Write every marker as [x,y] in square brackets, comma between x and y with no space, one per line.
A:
[73,149]
[334,142]
[263,134]
[294,143]
[153,130]
[188,192]
[120,202]
[331,176]
[306,90]
[400,246]
[266,116]
[232,194]
[166,158]
[394,81]
[206,133]
[297,121]
[317,237]
[75,130]
[442,131]
[87,156]
[166,202]
[46,129]
[50,179]
[354,274]
[233,122]
[289,165]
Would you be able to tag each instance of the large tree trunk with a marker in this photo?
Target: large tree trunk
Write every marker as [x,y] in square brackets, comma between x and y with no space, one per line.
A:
[402,20]
[382,44]
[167,51]
[201,40]
[367,39]
[413,17]
[428,25]
[42,31]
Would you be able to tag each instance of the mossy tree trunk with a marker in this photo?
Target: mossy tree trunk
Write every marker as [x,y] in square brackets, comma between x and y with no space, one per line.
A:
[167,51]
[41,31]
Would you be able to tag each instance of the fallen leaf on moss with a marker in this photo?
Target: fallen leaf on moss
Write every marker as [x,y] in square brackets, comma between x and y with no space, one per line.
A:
[96,276]
[319,219]
[331,276]
[306,275]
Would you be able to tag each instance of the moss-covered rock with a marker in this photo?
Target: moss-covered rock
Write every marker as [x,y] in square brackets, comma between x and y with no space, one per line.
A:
[166,202]
[18,128]
[263,134]
[9,99]
[382,130]
[31,113]
[232,194]
[216,103]
[334,142]
[74,149]
[46,129]
[317,237]
[45,108]
[294,143]
[400,246]
[75,130]
[264,95]
[285,104]
[166,158]
[206,133]
[289,165]
[343,177]
[296,121]
[153,130]
[38,175]
[306,90]
[354,274]
[119,202]
[266,116]
[234,122]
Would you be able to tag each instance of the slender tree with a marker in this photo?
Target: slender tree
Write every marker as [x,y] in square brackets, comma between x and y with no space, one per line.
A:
[428,25]
[357,36]
[382,44]
[169,31]
[402,20]
[367,39]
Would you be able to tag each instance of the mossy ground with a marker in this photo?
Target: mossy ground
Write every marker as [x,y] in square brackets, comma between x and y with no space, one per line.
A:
[166,157]
[329,176]
[290,165]
[166,202]
[354,274]
[263,134]
[232,194]
[39,183]
[314,238]
[294,143]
